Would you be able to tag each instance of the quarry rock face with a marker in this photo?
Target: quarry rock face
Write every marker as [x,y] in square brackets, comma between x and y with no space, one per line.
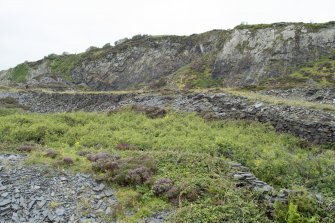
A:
[253,55]
[242,56]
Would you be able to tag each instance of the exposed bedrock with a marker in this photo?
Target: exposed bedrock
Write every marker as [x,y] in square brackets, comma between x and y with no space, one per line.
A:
[245,55]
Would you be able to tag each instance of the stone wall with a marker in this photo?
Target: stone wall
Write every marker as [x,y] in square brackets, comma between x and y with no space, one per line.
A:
[322,96]
[316,126]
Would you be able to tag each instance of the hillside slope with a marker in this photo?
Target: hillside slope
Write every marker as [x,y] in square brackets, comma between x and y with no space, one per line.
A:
[245,55]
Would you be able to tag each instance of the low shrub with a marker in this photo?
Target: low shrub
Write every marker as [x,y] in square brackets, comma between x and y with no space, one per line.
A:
[162,186]
[51,153]
[27,147]
[127,171]
[68,160]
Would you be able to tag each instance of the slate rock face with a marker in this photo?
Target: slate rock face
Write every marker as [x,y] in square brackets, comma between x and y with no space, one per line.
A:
[252,55]
[241,56]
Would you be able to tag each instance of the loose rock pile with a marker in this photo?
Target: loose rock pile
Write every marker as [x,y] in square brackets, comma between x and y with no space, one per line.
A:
[37,194]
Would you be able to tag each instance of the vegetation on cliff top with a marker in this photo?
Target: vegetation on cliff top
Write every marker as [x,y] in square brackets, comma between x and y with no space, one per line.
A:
[19,73]
[190,151]
[309,26]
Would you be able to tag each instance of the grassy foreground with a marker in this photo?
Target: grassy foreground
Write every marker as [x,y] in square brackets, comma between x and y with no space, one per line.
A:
[182,150]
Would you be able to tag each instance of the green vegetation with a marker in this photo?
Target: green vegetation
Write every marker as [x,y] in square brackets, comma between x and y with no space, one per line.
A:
[309,26]
[190,151]
[317,26]
[299,203]
[64,64]
[197,74]
[9,105]
[319,73]
[19,73]
[253,27]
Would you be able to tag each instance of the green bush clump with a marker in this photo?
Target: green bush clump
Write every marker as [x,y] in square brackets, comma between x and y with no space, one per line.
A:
[301,207]
[129,171]
[19,73]
[64,64]
[318,26]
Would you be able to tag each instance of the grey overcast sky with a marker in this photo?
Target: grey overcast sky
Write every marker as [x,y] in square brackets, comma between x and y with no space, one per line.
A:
[31,29]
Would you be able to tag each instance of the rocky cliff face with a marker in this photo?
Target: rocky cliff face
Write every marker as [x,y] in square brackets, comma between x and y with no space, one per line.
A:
[143,60]
[243,56]
[251,55]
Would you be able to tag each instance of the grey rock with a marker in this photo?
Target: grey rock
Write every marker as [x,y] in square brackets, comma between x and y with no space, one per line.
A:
[258,105]
[30,205]
[15,207]
[108,193]
[42,203]
[99,188]
[108,211]
[4,194]
[63,178]
[264,188]
[5,202]
[60,211]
